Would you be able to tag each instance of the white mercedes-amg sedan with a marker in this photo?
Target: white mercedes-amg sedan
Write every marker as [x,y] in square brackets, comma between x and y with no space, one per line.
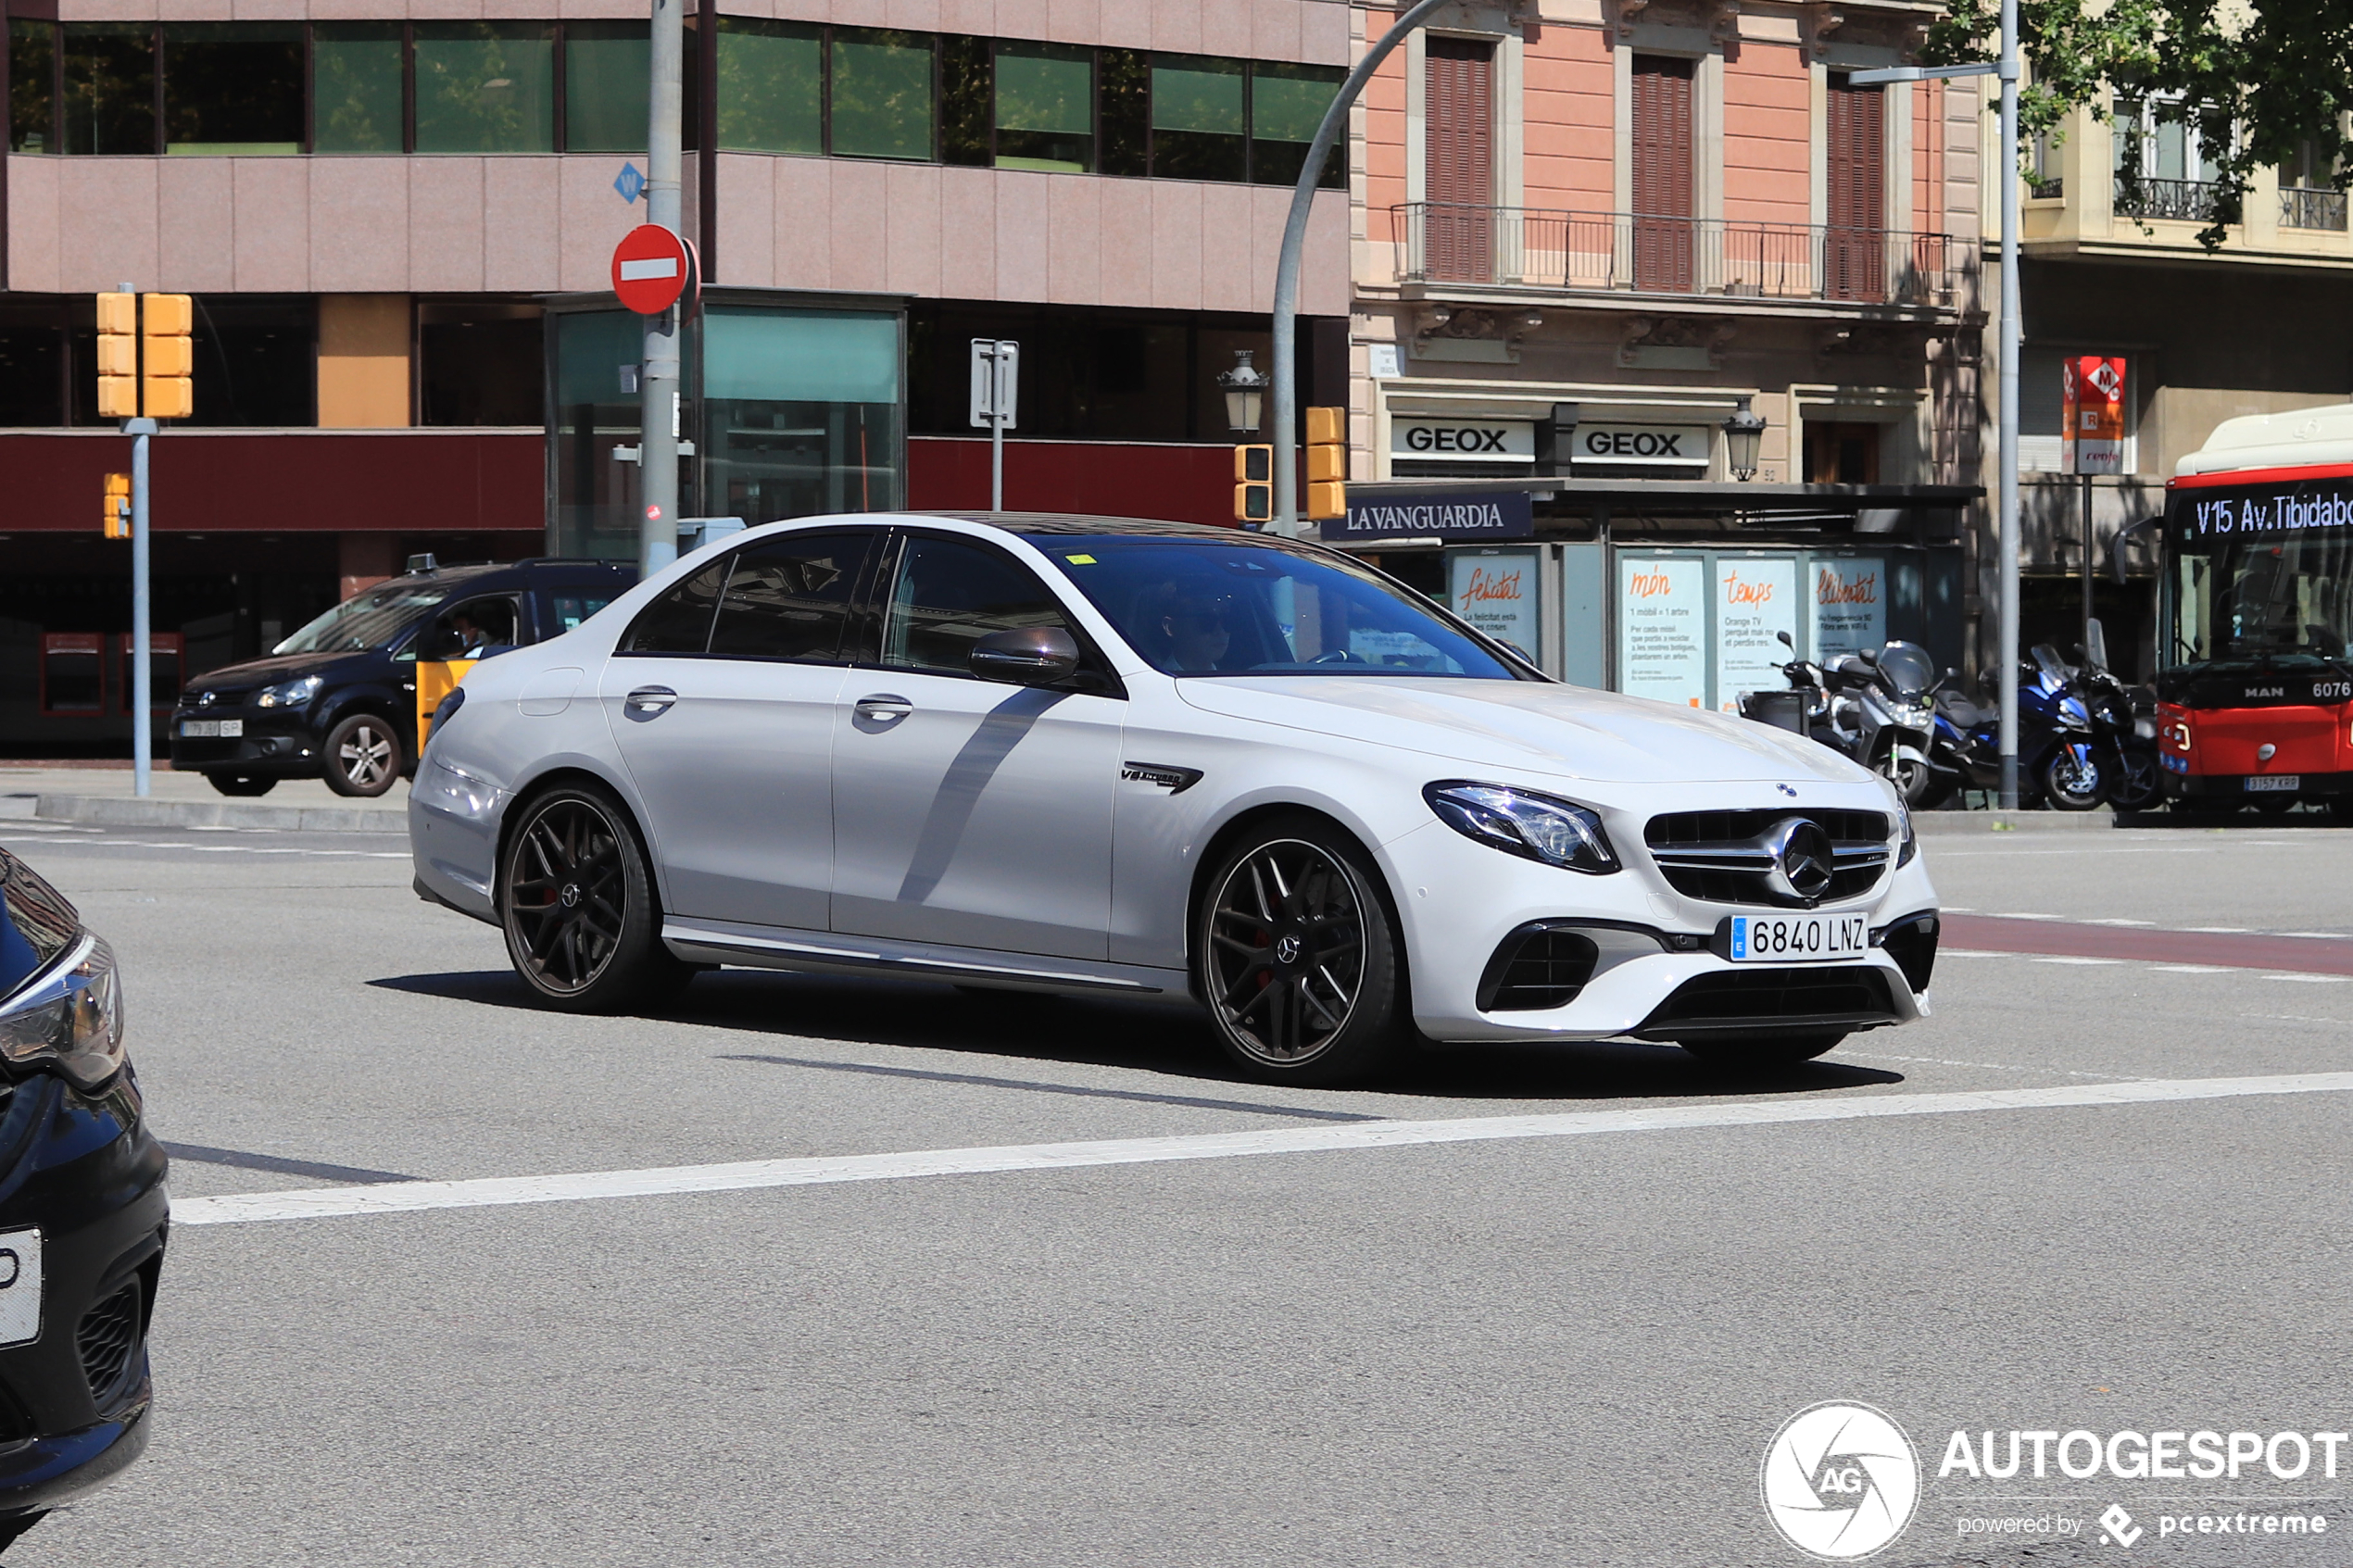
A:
[1075,754]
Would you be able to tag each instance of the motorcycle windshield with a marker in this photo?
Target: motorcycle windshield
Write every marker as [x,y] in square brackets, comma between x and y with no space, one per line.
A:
[1909,669]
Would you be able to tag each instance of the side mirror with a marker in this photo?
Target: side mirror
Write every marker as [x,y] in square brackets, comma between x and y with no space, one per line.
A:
[1782,638]
[1037,655]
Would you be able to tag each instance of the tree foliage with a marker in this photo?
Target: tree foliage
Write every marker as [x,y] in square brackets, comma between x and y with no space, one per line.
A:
[2256,82]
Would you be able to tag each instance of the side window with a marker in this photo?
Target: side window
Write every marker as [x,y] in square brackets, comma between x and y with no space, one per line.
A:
[789,597]
[466,629]
[571,610]
[951,593]
[679,622]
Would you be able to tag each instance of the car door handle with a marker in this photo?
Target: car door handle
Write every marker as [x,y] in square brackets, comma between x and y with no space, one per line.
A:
[648,702]
[883,708]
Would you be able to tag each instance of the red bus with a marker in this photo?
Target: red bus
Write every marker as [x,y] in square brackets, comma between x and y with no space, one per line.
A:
[2255,687]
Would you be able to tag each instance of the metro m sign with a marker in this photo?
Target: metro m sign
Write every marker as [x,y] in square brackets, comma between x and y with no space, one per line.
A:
[2092,414]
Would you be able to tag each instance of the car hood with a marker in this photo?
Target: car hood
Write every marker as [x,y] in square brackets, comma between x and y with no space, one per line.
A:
[283,667]
[1531,726]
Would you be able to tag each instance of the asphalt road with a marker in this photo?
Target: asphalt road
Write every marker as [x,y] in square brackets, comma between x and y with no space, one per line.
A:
[1570,1344]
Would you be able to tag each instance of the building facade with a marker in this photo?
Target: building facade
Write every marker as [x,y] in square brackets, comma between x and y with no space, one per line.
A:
[397,222]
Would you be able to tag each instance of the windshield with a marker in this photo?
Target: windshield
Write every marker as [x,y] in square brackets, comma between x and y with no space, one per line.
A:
[2287,599]
[1908,668]
[1209,608]
[368,620]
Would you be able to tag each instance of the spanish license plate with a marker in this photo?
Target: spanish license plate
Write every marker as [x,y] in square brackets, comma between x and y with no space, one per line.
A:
[212,729]
[1797,938]
[2262,782]
[20,1286]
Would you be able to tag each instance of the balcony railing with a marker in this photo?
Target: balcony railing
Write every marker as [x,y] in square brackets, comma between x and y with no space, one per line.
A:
[2304,207]
[2193,200]
[1619,252]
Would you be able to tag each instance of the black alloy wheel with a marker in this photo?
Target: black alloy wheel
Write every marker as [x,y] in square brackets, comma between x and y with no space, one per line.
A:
[1770,1050]
[1297,957]
[576,899]
[2071,785]
[364,756]
[1913,780]
[2137,783]
[240,785]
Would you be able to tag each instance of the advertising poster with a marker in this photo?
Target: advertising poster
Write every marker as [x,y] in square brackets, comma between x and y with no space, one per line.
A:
[1496,592]
[1755,600]
[1662,630]
[1850,607]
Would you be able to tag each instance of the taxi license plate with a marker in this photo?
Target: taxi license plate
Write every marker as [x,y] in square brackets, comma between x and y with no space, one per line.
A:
[212,729]
[20,1286]
[2273,782]
[1797,938]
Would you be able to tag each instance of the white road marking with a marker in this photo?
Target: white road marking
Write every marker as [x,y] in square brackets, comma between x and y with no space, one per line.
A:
[236,848]
[2313,979]
[2119,923]
[497,1191]
[2192,969]
[2062,958]
[2329,936]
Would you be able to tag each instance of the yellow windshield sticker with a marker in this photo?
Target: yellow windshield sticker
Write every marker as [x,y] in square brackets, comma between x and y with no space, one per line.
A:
[1081,560]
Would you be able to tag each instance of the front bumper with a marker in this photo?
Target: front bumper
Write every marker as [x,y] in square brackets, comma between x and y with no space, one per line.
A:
[1461,903]
[74,1401]
[277,745]
[2232,787]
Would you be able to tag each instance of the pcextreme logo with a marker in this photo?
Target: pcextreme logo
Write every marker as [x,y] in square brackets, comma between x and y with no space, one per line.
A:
[1840,1480]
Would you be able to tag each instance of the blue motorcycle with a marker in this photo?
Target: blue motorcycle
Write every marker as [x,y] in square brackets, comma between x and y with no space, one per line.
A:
[2056,763]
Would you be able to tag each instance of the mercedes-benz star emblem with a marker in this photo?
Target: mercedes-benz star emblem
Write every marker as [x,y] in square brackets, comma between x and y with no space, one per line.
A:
[1790,790]
[572,895]
[1286,949]
[1803,860]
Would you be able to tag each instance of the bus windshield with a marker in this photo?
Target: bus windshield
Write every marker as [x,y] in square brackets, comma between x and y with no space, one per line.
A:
[2282,600]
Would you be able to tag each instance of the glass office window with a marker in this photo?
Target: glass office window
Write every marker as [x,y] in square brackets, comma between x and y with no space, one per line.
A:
[479,364]
[595,409]
[1287,103]
[486,87]
[1124,110]
[33,369]
[231,87]
[354,81]
[800,412]
[608,72]
[257,360]
[1197,118]
[967,93]
[772,86]
[882,92]
[110,87]
[32,62]
[1045,107]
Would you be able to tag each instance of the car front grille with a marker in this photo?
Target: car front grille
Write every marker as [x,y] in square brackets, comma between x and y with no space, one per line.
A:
[1750,1001]
[1721,857]
[107,1339]
[1535,968]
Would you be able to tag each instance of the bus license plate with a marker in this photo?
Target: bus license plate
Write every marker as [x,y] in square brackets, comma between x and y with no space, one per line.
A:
[212,729]
[2273,782]
[1797,938]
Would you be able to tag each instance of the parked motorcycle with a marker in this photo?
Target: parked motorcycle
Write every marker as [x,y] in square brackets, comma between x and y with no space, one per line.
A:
[2057,759]
[2123,735]
[1874,708]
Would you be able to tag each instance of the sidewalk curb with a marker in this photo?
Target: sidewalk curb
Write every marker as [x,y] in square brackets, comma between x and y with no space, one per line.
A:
[113,811]
[1947,823]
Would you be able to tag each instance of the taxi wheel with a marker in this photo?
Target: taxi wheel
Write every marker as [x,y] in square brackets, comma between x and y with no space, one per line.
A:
[1770,1051]
[576,901]
[364,756]
[1297,960]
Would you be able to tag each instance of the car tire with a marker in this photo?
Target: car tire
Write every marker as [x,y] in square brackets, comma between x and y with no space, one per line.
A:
[243,786]
[1297,957]
[364,757]
[1768,1050]
[576,901]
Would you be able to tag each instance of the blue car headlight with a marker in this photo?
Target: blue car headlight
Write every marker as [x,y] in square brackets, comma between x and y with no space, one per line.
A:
[289,694]
[1519,821]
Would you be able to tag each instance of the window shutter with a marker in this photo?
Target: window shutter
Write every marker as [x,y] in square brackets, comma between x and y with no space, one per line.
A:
[1459,157]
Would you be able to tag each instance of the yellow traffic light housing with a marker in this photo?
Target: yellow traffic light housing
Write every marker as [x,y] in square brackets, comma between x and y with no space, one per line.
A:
[118,522]
[170,345]
[117,356]
[1253,485]
[1327,464]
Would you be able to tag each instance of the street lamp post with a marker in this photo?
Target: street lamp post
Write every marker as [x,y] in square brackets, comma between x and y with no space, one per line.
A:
[1245,389]
[1744,433]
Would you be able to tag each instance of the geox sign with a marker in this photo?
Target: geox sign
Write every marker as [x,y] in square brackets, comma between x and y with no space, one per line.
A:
[1506,515]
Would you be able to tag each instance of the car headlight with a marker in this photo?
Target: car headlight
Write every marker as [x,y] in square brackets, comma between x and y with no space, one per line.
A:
[71,1019]
[1521,822]
[290,694]
[1911,844]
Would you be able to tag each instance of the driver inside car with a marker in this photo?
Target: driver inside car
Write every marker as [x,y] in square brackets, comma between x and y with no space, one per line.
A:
[1197,633]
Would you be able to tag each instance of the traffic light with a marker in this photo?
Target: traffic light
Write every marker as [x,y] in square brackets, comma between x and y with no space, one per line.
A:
[118,506]
[117,356]
[169,350]
[1326,463]
[1253,483]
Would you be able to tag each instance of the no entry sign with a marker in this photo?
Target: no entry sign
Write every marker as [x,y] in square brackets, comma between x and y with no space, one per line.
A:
[649,268]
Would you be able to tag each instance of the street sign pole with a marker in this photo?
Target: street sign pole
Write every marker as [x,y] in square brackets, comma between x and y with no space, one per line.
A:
[996,395]
[142,744]
[658,383]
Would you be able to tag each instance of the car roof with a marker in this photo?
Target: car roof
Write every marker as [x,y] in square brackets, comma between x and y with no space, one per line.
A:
[1084,523]
[473,574]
